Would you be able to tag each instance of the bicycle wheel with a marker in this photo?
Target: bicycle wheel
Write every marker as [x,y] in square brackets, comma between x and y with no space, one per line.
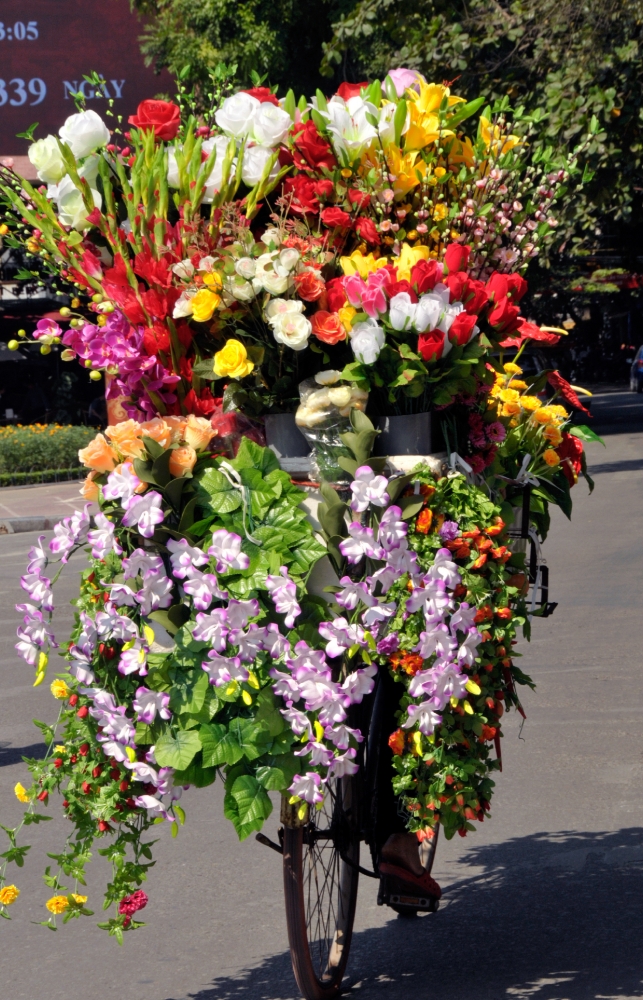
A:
[320,885]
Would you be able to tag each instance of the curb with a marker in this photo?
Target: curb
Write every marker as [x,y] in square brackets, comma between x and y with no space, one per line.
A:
[13,525]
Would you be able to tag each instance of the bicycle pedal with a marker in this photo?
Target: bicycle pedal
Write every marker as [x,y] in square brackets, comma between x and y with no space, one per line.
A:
[392,893]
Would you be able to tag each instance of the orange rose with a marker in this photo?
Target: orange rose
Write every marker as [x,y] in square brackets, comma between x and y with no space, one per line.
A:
[177,427]
[89,489]
[310,286]
[182,460]
[126,436]
[98,455]
[327,327]
[158,430]
[198,432]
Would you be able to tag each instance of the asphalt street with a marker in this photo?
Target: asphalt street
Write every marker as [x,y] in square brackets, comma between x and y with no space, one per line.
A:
[544,901]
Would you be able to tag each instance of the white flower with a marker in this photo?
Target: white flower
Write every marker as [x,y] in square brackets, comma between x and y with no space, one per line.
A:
[84,133]
[368,488]
[450,314]
[427,312]
[387,126]
[367,340]
[271,236]
[270,124]
[328,377]
[145,512]
[226,549]
[173,179]
[71,207]
[292,329]
[271,275]
[350,130]
[423,717]
[402,311]
[254,163]
[218,146]
[288,258]
[47,159]
[237,114]
[279,307]
[246,267]
[184,269]
[240,289]
[183,305]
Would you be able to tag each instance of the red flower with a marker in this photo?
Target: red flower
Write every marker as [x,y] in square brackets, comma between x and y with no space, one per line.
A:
[304,197]
[311,149]
[161,116]
[395,287]
[335,294]
[348,90]
[531,331]
[397,742]
[497,287]
[310,286]
[461,330]
[476,296]
[131,904]
[570,451]
[365,229]
[431,345]
[334,216]
[201,406]
[327,327]
[324,189]
[263,94]
[557,381]
[155,272]
[425,275]
[456,257]
[517,286]
[359,198]
[457,282]
[504,317]
[156,338]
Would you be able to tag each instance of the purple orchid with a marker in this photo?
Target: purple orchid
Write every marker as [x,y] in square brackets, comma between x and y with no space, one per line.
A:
[184,558]
[392,530]
[141,562]
[360,542]
[102,539]
[308,787]
[134,659]
[203,588]
[240,612]
[367,488]
[212,629]
[354,593]
[344,764]
[144,512]
[424,717]
[226,549]
[121,485]
[224,669]
[148,704]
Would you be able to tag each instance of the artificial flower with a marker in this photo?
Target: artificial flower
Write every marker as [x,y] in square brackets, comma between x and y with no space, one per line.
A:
[232,360]
[9,894]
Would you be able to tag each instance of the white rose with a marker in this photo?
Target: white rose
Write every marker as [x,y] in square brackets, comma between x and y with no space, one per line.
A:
[450,314]
[239,289]
[246,267]
[47,159]
[71,208]
[271,236]
[402,311]
[270,275]
[428,312]
[84,133]
[289,257]
[328,377]
[207,264]
[183,305]
[292,329]
[279,307]
[236,114]
[218,146]
[254,163]
[184,269]
[367,340]
[270,124]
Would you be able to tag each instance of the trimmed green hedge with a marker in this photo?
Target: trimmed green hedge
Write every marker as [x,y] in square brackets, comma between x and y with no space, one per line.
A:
[47,476]
[41,450]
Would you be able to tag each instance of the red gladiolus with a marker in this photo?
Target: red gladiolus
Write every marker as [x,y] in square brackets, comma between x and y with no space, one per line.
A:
[456,257]
[557,381]
[311,151]
[365,229]
[161,116]
[263,94]
[570,451]
[335,294]
[348,90]
[461,330]
[334,216]
[200,406]
[327,327]
[129,905]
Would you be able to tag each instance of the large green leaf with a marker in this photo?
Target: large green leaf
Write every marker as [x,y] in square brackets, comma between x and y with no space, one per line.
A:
[177,750]
[251,807]
[188,695]
[253,456]
[228,744]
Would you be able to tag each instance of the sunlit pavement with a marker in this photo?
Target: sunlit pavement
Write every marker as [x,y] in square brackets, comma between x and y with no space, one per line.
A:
[543,901]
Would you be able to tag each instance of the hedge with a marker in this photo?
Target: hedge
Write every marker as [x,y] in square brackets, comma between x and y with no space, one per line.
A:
[40,450]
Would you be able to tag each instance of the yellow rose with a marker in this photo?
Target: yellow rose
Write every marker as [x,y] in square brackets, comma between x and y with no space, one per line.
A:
[158,430]
[21,793]
[98,455]
[9,894]
[232,360]
[198,432]
[89,489]
[59,690]
[409,257]
[182,460]
[203,305]
[346,316]
[551,457]
[57,904]
[213,280]
[361,264]
[126,436]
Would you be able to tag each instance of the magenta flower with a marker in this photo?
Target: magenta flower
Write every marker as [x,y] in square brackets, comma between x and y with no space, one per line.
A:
[367,488]
[496,431]
[449,531]
[308,787]
[147,704]
[144,512]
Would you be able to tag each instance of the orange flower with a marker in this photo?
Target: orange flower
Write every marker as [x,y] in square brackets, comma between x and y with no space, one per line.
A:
[327,327]
[498,527]
[310,286]
[483,614]
[423,523]
[158,430]
[126,436]
[198,432]
[505,614]
[177,427]
[89,489]
[98,455]
[182,460]
[397,742]
[480,561]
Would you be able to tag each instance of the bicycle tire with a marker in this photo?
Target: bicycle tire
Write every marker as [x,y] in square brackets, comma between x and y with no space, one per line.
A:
[320,888]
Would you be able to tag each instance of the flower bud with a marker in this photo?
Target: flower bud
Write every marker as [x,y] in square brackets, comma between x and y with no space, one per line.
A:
[13,345]
[83,712]
[45,349]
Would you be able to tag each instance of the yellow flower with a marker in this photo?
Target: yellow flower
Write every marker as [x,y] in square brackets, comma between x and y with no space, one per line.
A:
[494,139]
[517,383]
[510,409]
[512,369]
[404,170]
[57,904]
[232,360]
[559,411]
[409,257]
[424,105]
[440,211]
[78,899]
[59,690]
[530,403]
[550,457]
[21,793]
[509,395]
[545,415]
[553,435]
[203,305]
[9,894]
[361,264]
[213,280]
[60,748]
[346,315]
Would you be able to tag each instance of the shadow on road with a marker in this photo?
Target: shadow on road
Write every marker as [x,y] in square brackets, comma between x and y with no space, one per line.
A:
[14,755]
[550,917]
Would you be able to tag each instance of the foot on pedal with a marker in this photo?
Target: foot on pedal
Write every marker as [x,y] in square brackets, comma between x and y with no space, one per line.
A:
[404,891]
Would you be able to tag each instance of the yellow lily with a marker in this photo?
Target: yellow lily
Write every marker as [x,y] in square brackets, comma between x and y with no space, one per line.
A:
[409,256]
[493,138]
[404,170]
[362,264]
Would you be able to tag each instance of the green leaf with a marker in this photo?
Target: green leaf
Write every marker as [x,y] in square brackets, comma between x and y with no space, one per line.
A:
[227,745]
[177,750]
[272,779]
[585,433]
[253,805]
[204,370]
[196,775]
[189,696]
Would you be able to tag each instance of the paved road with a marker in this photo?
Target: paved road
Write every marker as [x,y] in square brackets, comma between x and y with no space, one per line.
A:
[544,901]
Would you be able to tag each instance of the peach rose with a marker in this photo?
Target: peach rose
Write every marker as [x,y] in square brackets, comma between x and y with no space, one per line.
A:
[327,327]
[182,460]
[126,436]
[98,455]
[177,427]
[198,432]
[89,489]
[158,430]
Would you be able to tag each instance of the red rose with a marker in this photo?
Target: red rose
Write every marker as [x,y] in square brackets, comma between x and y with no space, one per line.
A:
[401,286]
[324,189]
[263,94]
[504,317]
[456,257]
[359,198]
[310,286]
[476,296]
[425,275]
[461,330]
[456,282]
[162,116]
[327,327]
[365,229]
[303,194]
[311,149]
[334,216]
[497,287]
[431,345]
[570,452]
[516,286]
[348,90]
[335,294]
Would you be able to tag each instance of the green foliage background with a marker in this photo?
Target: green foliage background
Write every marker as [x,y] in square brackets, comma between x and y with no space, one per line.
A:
[42,446]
